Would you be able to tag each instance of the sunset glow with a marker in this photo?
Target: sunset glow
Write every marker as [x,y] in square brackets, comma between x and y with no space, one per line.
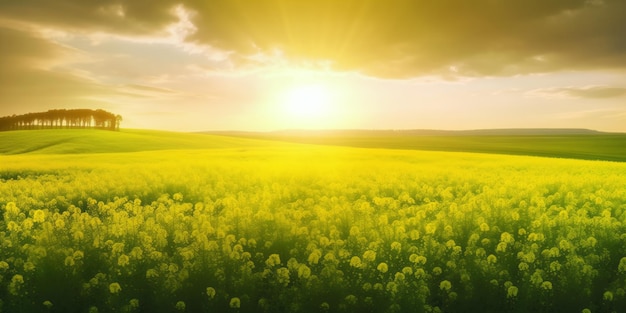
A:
[397,65]
[307,102]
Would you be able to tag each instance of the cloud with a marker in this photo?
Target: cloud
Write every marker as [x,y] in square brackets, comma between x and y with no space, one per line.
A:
[594,114]
[589,92]
[28,81]
[396,38]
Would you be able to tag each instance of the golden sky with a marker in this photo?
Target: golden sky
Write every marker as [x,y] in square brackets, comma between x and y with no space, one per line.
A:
[277,64]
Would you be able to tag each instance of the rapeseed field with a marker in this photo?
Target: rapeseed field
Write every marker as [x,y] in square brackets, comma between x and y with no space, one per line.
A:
[298,228]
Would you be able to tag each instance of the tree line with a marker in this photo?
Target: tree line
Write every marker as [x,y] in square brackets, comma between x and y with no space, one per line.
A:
[73,118]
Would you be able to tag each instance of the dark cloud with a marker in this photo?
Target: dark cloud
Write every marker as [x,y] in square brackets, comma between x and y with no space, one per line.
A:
[396,38]
[127,17]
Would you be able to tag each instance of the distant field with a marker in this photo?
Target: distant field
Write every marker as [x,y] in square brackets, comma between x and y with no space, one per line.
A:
[582,145]
[64,141]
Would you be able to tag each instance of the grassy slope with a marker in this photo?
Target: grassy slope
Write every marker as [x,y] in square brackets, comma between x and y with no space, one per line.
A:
[99,141]
[601,146]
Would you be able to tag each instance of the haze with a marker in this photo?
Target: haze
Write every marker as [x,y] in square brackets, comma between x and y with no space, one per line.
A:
[282,64]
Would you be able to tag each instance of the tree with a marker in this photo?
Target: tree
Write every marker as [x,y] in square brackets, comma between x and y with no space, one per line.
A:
[75,118]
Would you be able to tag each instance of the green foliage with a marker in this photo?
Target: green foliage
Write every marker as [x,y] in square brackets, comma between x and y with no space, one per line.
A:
[288,228]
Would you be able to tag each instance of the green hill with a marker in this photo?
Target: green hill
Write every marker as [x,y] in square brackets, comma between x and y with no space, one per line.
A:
[586,145]
[560,143]
[64,141]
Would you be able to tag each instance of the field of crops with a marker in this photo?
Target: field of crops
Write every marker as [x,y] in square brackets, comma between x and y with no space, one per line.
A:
[297,228]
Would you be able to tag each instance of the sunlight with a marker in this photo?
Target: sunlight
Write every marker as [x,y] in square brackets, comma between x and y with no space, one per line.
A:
[307,103]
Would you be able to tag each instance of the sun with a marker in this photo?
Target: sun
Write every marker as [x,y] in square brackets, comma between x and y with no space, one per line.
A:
[307,102]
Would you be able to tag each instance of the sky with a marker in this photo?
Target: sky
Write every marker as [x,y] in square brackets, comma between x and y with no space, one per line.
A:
[268,65]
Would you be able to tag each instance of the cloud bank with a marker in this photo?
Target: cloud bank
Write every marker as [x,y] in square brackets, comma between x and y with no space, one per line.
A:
[396,38]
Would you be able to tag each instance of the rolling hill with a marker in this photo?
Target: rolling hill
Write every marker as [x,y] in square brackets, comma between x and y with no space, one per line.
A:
[561,143]
[66,141]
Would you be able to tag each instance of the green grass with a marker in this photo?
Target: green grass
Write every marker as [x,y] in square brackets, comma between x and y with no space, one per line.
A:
[70,141]
[593,146]
[601,146]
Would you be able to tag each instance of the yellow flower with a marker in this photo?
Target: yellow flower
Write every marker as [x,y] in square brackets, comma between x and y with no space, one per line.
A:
[283,276]
[445,285]
[69,261]
[304,271]
[29,267]
[396,246]
[511,292]
[622,265]
[178,196]
[351,299]
[430,228]
[115,288]
[210,291]
[501,247]
[314,257]
[382,267]
[273,260]
[484,227]
[523,266]
[59,223]
[437,270]
[235,303]
[16,284]
[546,285]
[369,256]
[152,273]
[450,244]
[420,273]
[407,270]
[123,260]
[39,216]
[367,287]
[180,306]
[355,261]
[399,277]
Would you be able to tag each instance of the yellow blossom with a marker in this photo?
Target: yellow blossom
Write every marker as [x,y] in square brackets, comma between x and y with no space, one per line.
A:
[382,267]
[180,306]
[210,291]
[355,261]
[115,288]
[235,303]
[39,216]
[445,285]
